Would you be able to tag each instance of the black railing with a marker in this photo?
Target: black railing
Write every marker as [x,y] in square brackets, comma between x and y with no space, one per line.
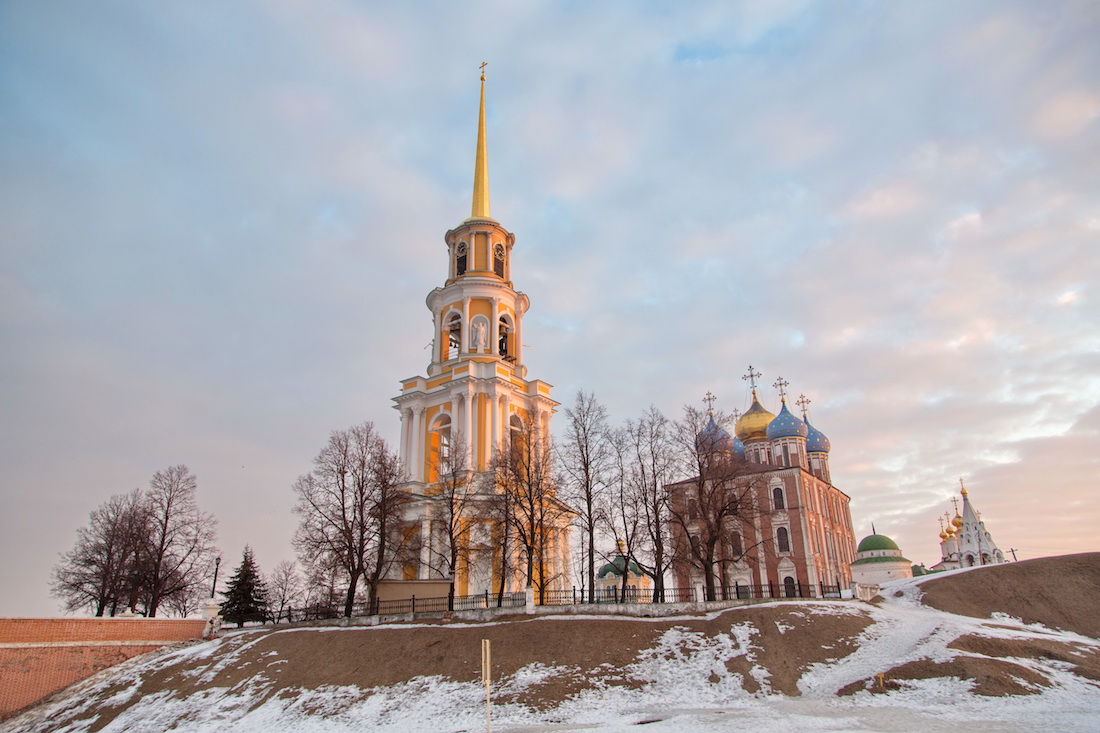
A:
[738,591]
[573,596]
[584,596]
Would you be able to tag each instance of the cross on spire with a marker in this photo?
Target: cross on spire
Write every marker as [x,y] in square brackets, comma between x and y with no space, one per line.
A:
[955,501]
[709,399]
[751,379]
[781,385]
[803,401]
[482,67]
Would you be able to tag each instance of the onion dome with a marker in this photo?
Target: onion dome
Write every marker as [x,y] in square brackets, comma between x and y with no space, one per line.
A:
[786,425]
[753,425]
[713,437]
[738,447]
[957,521]
[816,442]
[943,535]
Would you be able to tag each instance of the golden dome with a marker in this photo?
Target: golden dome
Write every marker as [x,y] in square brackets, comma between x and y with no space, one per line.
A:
[943,535]
[957,521]
[753,425]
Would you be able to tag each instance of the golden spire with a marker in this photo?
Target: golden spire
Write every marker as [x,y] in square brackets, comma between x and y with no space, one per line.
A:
[480,208]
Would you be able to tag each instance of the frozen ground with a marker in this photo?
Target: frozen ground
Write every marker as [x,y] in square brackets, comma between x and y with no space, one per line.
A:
[680,680]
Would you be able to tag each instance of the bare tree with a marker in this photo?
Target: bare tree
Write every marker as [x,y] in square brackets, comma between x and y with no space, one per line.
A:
[98,572]
[523,475]
[180,537]
[624,513]
[456,492]
[585,456]
[709,509]
[499,507]
[649,466]
[141,551]
[284,589]
[350,508]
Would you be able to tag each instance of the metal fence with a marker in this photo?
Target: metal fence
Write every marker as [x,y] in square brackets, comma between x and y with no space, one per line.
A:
[570,597]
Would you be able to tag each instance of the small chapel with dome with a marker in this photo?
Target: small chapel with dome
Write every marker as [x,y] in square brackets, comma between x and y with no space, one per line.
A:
[964,541]
[878,560]
[799,534]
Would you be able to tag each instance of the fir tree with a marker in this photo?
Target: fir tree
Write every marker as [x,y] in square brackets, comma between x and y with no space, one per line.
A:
[245,595]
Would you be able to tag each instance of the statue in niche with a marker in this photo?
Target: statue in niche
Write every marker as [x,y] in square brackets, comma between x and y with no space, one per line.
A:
[479,335]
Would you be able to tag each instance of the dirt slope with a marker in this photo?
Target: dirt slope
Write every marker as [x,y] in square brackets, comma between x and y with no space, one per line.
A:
[1059,592]
[820,648]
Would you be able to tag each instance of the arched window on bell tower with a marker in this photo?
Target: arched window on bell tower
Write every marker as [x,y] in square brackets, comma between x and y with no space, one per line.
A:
[518,443]
[504,338]
[498,259]
[452,330]
[439,447]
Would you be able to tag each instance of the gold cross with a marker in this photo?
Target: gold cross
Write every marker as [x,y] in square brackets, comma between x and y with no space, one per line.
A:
[709,399]
[483,65]
[803,402]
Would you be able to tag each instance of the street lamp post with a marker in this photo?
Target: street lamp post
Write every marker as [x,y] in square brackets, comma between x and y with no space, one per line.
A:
[214,587]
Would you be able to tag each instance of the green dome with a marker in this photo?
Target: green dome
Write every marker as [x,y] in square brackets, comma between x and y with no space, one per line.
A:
[615,567]
[877,542]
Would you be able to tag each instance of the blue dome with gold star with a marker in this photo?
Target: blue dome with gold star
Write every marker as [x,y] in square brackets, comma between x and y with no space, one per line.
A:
[786,425]
[713,437]
[816,442]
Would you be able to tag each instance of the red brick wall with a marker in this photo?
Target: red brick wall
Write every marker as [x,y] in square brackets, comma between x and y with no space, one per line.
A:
[41,656]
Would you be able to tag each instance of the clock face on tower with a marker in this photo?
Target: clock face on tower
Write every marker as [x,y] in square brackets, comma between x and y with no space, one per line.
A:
[461,259]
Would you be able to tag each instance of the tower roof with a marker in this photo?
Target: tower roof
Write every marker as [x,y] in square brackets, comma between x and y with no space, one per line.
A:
[479,208]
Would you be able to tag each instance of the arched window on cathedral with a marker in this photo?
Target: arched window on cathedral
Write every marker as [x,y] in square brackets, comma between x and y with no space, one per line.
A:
[462,255]
[440,447]
[783,539]
[735,546]
[777,498]
[498,259]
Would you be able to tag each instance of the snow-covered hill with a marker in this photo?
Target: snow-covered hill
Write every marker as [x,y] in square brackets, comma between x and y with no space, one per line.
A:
[788,666]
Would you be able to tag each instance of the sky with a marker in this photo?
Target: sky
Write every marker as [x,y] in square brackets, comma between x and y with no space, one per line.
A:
[219,222]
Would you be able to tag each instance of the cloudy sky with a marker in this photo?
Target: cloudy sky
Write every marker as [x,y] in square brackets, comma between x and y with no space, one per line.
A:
[219,221]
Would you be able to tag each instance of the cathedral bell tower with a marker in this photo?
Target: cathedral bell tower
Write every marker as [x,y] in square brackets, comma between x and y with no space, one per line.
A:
[476,389]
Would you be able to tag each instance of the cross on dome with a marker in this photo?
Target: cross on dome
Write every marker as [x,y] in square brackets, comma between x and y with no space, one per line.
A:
[709,399]
[781,384]
[803,401]
[751,379]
